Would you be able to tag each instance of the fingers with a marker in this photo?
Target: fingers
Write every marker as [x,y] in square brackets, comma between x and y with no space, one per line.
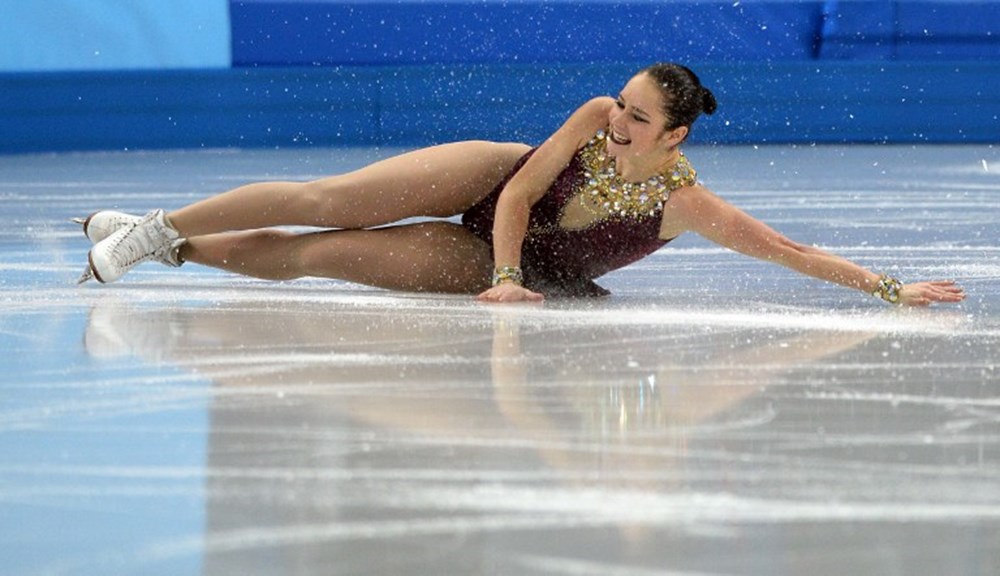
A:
[509,293]
[948,297]
[947,288]
[946,292]
[506,298]
[925,293]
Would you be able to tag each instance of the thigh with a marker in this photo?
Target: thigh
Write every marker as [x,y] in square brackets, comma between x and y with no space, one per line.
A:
[439,181]
[422,257]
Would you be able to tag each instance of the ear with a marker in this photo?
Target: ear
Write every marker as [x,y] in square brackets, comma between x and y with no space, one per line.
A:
[675,136]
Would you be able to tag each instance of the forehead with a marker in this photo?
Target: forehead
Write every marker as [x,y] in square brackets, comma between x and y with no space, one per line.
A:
[641,91]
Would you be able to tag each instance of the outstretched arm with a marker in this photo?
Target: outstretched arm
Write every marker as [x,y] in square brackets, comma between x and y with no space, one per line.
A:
[699,210]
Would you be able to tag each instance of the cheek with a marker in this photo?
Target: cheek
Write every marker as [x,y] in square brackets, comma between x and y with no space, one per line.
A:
[644,135]
[616,116]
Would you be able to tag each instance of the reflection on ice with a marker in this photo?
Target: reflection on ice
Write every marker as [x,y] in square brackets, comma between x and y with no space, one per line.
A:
[344,422]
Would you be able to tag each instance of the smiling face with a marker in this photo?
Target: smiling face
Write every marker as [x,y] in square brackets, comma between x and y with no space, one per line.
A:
[637,124]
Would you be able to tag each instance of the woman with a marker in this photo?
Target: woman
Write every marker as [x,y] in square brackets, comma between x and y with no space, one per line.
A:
[607,188]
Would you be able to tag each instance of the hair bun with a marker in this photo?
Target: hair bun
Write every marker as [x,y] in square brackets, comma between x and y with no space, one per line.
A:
[708,103]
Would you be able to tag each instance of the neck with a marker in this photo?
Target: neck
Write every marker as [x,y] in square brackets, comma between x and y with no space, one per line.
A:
[639,170]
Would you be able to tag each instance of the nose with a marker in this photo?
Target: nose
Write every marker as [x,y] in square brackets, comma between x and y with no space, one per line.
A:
[616,111]
[615,116]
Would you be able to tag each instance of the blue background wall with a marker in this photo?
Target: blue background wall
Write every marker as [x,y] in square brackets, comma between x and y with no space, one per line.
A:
[316,72]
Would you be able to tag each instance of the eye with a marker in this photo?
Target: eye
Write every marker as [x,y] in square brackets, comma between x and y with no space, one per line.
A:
[620,103]
[640,119]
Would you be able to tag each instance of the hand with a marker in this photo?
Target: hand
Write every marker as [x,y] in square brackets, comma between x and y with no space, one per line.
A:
[923,293]
[509,292]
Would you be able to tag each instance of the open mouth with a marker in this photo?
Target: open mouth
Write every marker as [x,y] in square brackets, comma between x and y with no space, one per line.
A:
[619,139]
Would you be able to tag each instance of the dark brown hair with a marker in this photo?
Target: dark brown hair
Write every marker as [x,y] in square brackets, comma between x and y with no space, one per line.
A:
[684,98]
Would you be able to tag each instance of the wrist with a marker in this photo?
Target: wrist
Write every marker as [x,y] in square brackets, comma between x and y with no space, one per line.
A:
[508,275]
[887,288]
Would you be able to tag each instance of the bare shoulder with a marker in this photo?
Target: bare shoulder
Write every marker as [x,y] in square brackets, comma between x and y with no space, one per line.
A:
[599,106]
[552,156]
[595,112]
[590,117]
[693,199]
[688,206]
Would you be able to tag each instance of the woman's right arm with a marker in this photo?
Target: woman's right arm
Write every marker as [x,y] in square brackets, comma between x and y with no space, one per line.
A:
[527,187]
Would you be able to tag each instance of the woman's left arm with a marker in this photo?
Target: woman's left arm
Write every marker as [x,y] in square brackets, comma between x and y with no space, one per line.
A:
[699,210]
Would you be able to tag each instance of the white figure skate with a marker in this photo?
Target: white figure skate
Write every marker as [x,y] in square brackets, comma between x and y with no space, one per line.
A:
[148,238]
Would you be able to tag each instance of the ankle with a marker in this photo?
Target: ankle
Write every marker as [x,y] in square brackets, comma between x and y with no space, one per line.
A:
[179,252]
[168,221]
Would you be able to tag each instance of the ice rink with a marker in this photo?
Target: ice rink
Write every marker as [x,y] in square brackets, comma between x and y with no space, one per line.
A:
[715,416]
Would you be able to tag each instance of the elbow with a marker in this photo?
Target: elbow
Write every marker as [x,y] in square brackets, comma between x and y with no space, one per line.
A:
[791,246]
[510,208]
[798,256]
[514,202]
[787,252]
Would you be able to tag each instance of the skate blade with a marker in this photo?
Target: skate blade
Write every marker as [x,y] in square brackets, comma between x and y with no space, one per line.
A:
[88,274]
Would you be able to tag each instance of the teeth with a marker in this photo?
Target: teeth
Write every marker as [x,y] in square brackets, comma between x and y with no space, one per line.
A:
[618,139]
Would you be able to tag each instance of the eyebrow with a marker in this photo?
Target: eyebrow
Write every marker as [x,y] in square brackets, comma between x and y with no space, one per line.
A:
[634,107]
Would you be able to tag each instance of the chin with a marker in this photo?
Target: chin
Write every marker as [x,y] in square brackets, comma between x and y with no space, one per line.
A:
[614,149]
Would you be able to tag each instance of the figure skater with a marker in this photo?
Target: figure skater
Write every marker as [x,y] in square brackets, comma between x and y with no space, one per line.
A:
[609,187]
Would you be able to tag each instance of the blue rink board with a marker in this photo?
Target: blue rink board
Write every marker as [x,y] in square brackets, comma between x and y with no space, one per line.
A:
[399,33]
[318,72]
[394,32]
[414,105]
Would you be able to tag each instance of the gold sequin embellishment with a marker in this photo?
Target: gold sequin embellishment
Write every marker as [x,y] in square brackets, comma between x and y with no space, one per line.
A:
[602,188]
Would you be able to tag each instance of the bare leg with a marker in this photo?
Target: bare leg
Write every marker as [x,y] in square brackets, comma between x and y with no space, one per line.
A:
[423,257]
[439,181]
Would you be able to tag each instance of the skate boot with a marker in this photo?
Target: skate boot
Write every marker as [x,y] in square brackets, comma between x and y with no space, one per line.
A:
[104,223]
[150,238]
[100,225]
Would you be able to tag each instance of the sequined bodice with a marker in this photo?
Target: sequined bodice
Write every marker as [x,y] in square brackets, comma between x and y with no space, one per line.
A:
[566,256]
[602,187]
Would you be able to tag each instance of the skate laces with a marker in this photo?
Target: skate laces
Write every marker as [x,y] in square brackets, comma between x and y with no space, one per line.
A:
[140,241]
[117,221]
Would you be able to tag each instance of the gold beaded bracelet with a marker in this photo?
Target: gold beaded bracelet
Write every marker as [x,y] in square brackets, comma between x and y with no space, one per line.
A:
[510,274]
[888,289]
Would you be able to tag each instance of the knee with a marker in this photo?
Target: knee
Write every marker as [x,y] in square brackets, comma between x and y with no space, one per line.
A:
[267,254]
[315,200]
[327,203]
[340,254]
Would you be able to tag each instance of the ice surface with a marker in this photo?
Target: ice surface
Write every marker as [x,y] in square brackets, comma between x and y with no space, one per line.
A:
[716,415]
